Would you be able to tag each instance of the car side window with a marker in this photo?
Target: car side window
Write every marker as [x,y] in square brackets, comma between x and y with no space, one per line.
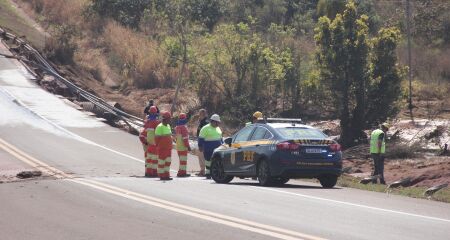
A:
[259,134]
[268,135]
[242,136]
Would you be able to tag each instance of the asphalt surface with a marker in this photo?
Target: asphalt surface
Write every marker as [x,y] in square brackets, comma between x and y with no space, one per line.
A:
[93,188]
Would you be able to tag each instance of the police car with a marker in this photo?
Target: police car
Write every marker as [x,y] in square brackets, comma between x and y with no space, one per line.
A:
[276,150]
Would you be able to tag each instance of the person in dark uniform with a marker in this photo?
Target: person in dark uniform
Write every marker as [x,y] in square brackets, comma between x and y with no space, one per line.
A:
[147,108]
[202,121]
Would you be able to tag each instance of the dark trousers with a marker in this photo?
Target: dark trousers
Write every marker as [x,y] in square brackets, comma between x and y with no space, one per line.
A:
[378,166]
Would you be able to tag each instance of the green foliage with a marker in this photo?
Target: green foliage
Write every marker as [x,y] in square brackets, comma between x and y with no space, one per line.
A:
[432,21]
[126,12]
[61,46]
[342,57]
[239,72]
[385,88]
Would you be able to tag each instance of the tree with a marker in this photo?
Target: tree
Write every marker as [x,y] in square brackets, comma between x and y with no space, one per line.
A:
[342,54]
[385,88]
[238,72]
[126,12]
[359,89]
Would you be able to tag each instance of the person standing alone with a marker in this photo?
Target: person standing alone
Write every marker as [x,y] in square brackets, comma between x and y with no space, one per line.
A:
[377,151]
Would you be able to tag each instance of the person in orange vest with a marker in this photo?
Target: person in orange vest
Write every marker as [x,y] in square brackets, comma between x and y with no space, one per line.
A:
[182,143]
[163,140]
[152,152]
[147,138]
[143,139]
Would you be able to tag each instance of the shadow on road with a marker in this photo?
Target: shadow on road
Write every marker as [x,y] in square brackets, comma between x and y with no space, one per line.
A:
[285,186]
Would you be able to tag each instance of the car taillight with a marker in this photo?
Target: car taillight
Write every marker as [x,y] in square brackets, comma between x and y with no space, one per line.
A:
[335,147]
[287,146]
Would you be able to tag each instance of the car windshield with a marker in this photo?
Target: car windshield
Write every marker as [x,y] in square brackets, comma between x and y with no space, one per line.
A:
[301,133]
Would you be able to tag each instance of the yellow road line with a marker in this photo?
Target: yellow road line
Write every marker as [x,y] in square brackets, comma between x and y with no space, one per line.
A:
[24,157]
[234,222]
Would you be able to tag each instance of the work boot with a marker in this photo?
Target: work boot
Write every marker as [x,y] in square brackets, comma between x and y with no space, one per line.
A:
[165,178]
[183,175]
[200,174]
[208,176]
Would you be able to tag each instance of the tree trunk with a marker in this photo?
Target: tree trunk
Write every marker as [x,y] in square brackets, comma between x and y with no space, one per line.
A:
[180,75]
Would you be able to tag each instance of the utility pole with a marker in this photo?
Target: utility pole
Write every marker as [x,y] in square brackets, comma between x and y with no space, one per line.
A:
[408,27]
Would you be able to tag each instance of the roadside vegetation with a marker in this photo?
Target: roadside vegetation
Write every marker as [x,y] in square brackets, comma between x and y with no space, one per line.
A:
[311,59]
[317,60]
[415,192]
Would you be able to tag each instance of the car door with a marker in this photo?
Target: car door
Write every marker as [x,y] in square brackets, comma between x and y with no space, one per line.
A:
[256,148]
[239,142]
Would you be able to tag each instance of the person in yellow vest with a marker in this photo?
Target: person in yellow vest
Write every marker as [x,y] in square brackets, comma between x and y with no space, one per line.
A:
[163,140]
[209,139]
[182,144]
[377,151]
[257,115]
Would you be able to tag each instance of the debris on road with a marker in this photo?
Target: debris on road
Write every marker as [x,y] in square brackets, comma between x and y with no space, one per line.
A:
[369,179]
[406,182]
[29,174]
[430,191]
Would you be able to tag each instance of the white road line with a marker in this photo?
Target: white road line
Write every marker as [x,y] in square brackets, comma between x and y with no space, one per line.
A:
[157,202]
[74,134]
[353,204]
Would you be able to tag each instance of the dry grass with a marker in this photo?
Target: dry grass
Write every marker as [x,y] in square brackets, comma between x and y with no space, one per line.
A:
[431,91]
[415,192]
[60,11]
[138,56]
[109,51]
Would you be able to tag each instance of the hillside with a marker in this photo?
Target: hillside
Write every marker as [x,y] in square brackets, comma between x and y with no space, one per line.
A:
[261,55]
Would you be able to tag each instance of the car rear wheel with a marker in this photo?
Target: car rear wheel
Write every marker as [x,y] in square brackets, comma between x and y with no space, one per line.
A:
[328,181]
[281,180]
[264,176]
[218,172]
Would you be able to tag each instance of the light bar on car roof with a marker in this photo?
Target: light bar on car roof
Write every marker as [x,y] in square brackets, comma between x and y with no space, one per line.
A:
[288,120]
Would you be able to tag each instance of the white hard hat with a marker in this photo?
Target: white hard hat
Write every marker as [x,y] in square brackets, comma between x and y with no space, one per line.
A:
[215,117]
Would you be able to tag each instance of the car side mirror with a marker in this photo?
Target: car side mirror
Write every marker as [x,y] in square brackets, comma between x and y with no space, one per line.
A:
[228,141]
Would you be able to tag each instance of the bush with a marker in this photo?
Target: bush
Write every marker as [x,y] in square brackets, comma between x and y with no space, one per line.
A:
[403,150]
[61,46]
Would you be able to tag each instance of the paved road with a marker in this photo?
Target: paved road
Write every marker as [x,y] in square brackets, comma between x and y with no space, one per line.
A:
[93,189]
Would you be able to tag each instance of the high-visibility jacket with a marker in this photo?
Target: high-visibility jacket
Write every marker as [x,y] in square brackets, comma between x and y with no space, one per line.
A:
[182,137]
[210,138]
[152,124]
[163,136]
[374,138]
[143,133]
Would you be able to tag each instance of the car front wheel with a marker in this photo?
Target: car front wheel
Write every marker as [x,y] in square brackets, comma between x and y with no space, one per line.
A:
[328,181]
[218,172]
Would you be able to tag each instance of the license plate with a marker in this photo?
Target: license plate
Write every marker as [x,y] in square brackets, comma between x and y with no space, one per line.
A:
[313,150]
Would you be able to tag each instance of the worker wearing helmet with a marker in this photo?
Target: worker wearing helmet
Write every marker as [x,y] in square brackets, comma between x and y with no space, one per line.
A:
[163,140]
[143,139]
[377,151]
[256,116]
[182,144]
[152,152]
[209,139]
